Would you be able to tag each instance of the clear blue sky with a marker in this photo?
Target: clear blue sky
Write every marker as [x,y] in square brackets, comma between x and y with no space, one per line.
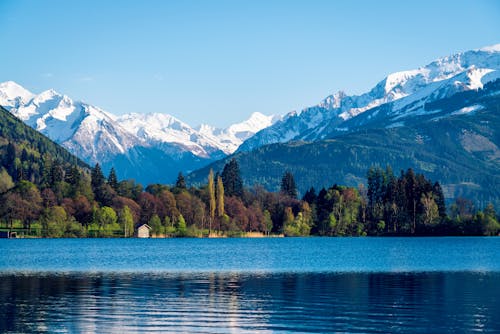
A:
[217,62]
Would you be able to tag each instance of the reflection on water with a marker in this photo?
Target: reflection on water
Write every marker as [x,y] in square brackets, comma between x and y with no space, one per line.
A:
[436,302]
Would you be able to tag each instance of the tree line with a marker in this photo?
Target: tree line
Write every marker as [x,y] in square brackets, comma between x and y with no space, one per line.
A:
[61,200]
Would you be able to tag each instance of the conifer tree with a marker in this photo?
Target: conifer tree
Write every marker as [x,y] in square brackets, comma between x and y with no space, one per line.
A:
[310,196]
[112,179]
[439,198]
[181,182]
[97,177]
[231,178]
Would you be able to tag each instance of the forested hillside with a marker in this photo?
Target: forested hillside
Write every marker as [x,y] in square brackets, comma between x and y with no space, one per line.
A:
[457,144]
[28,155]
[47,192]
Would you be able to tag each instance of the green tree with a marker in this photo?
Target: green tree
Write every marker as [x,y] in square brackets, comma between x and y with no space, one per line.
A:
[126,221]
[181,182]
[181,227]
[211,195]
[169,226]
[231,179]
[155,224]
[107,221]
[296,226]
[6,182]
[56,223]
[268,222]
[288,221]
[488,221]
[97,177]
[112,179]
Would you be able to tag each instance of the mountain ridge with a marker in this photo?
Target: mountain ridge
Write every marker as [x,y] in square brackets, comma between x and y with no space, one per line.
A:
[127,141]
[335,109]
[154,147]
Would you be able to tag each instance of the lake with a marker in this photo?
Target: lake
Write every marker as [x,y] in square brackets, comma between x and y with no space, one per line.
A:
[315,285]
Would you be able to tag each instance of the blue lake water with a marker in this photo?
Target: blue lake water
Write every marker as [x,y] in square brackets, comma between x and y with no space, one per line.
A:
[359,285]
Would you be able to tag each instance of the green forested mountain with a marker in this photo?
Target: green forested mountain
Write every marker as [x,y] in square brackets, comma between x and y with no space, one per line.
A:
[456,143]
[28,155]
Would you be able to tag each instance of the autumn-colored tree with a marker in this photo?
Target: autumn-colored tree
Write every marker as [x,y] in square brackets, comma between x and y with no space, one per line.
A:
[430,213]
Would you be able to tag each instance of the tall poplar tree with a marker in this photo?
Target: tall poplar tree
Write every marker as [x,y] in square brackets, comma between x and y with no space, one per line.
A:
[211,195]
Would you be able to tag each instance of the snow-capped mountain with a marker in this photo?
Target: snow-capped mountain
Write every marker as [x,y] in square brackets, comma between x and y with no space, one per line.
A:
[87,131]
[230,138]
[403,94]
[202,141]
[95,135]
[159,145]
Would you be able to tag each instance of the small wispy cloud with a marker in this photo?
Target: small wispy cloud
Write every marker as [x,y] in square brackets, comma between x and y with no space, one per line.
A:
[47,75]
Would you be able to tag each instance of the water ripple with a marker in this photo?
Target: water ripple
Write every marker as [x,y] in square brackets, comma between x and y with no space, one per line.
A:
[229,303]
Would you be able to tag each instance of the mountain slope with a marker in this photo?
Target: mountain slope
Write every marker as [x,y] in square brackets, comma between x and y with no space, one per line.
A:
[27,154]
[146,147]
[400,94]
[457,143]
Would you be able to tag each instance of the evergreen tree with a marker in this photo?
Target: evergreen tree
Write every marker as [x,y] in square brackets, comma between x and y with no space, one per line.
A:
[231,178]
[97,177]
[181,182]
[112,179]
[56,174]
[413,198]
[323,213]
[288,186]
[9,159]
[73,177]
[310,196]
[439,199]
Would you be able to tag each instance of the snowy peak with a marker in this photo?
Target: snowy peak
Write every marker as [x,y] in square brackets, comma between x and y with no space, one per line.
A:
[156,128]
[405,93]
[95,134]
[86,130]
[202,141]
[491,48]
[12,94]
[254,124]
[229,139]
